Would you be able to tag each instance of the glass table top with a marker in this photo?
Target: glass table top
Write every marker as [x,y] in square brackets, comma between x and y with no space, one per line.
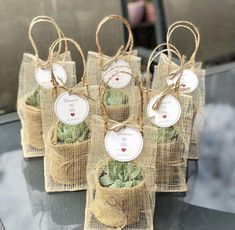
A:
[208,204]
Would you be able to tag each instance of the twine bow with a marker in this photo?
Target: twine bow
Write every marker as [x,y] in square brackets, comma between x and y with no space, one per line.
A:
[122,125]
[158,102]
[178,73]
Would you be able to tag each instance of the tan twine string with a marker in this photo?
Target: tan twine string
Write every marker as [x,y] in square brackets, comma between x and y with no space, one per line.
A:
[178,72]
[60,34]
[193,29]
[83,78]
[155,53]
[122,51]
[164,93]
[123,124]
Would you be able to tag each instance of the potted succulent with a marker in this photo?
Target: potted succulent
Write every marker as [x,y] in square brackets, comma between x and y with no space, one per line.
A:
[166,135]
[116,101]
[31,110]
[169,143]
[69,149]
[119,192]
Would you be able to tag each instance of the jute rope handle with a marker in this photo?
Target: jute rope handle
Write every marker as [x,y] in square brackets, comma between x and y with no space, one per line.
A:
[46,19]
[122,50]
[155,53]
[83,78]
[60,34]
[102,92]
[192,28]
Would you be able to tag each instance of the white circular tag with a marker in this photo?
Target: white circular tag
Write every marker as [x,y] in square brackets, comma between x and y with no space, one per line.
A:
[167,114]
[118,75]
[43,76]
[124,145]
[188,81]
[71,109]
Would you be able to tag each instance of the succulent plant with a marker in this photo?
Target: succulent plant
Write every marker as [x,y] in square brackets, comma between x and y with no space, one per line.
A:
[166,135]
[70,134]
[34,99]
[115,97]
[120,175]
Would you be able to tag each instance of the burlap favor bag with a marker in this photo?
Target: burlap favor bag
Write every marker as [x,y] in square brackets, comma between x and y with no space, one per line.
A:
[169,144]
[166,66]
[29,93]
[66,144]
[120,194]
[122,64]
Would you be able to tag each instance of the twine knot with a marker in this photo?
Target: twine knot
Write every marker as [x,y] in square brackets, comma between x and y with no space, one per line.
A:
[158,102]
[122,125]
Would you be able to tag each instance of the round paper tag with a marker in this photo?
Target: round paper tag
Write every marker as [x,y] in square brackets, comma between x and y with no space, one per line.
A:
[43,76]
[188,81]
[167,114]
[71,109]
[124,145]
[118,75]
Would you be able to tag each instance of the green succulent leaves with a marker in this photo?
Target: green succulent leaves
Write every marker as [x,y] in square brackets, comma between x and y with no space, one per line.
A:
[67,134]
[120,175]
[114,97]
[166,135]
[34,99]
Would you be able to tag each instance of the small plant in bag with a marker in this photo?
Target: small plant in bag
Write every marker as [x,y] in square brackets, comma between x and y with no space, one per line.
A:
[166,135]
[34,99]
[120,175]
[120,185]
[70,134]
[115,97]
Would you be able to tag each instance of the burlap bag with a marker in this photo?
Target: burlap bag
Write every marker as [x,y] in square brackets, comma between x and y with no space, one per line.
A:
[65,163]
[166,66]
[171,158]
[128,208]
[97,62]
[171,153]
[125,208]
[117,202]
[68,161]
[30,116]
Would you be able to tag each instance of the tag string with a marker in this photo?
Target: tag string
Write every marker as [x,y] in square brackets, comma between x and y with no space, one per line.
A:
[83,78]
[123,124]
[155,53]
[123,50]
[60,34]
[188,26]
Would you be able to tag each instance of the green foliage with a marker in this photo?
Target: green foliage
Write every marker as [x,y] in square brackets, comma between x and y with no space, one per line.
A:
[120,175]
[70,134]
[114,97]
[166,135]
[34,99]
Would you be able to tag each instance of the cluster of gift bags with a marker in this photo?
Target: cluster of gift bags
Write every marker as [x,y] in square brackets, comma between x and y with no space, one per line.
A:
[109,134]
